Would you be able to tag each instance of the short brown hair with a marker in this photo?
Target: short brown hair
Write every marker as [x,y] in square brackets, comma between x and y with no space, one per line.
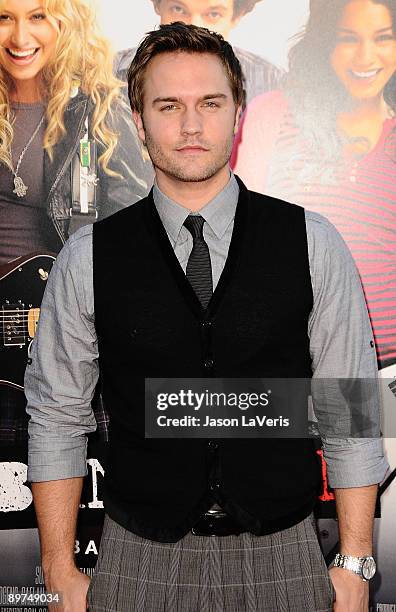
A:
[190,39]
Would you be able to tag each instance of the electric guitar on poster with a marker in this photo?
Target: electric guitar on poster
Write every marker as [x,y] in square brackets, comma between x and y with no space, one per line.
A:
[22,285]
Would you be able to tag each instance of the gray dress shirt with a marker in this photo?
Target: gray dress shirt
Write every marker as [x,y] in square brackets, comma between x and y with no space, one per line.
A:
[60,381]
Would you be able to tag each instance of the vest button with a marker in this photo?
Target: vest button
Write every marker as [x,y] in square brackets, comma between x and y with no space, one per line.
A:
[208,363]
[206,324]
[215,485]
[213,445]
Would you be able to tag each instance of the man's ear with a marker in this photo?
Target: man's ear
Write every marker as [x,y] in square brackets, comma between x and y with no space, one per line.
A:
[138,121]
[238,116]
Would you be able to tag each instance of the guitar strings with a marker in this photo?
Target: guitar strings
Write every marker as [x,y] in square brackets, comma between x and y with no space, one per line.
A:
[6,311]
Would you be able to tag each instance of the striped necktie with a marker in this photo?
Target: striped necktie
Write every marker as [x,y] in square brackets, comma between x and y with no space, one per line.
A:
[199,268]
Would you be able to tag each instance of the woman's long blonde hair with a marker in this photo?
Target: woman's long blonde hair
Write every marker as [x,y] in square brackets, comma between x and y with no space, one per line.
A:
[82,57]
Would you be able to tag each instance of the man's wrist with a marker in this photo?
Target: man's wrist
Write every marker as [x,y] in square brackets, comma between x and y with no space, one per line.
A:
[364,550]
[363,566]
[54,567]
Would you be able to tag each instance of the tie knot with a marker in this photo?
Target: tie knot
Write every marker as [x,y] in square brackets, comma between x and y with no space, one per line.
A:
[194,224]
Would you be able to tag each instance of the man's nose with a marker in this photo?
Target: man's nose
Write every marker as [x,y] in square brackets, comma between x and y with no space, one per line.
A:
[191,122]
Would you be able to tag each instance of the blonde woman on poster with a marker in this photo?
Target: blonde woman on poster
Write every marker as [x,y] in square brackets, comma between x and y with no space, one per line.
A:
[68,155]
[56,84]
[327,141]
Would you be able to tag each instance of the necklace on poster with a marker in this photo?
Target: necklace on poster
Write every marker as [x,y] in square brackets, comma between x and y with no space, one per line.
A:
[20,189]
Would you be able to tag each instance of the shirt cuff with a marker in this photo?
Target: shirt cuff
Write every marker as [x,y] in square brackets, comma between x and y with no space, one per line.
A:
[354,462]
[57,458]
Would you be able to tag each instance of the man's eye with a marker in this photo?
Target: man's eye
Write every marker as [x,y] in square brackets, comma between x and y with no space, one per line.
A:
[168,107]
[211,104]
[179,10]
[214,15]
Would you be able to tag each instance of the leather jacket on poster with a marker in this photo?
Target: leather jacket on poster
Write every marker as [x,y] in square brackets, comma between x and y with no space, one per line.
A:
[110,193]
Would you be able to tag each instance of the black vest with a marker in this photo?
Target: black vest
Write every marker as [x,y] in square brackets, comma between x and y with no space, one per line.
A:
[150,324]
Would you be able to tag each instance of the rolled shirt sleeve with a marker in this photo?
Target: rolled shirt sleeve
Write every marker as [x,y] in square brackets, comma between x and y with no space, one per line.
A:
[342,346]
[62,374]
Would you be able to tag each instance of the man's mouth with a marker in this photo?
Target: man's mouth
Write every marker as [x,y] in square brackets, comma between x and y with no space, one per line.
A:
[21,55]
[191,149]
[366,74]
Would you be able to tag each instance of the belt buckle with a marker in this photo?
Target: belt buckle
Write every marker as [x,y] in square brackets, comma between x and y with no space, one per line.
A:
[206,525]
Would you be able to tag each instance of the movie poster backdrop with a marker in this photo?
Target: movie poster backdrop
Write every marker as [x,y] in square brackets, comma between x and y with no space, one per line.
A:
[275,161]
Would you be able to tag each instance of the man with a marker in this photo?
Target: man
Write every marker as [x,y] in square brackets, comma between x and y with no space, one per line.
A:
[246,287]
[221,16]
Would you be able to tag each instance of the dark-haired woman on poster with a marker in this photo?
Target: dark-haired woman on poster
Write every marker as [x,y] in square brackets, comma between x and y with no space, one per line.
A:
[327,141]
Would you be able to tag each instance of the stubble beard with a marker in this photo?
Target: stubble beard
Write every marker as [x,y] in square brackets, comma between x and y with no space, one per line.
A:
[169,165]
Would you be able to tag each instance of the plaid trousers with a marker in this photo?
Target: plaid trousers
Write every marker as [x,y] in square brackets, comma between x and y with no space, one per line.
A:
[281,572]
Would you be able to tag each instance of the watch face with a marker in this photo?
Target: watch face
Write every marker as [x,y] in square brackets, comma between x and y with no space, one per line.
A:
[368,568]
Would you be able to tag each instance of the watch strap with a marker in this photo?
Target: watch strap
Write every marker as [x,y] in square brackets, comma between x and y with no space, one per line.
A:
[354,564]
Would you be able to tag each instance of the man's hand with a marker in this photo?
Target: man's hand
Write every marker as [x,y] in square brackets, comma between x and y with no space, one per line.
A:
[72,587]
[352,593]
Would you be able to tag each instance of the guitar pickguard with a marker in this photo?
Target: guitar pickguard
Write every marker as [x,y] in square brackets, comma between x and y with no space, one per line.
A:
[22,285]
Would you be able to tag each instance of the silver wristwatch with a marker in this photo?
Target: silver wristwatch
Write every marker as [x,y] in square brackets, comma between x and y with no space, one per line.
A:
[364,567]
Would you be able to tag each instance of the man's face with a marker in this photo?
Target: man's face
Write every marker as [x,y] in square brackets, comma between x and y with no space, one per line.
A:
[215,15]
[189,116]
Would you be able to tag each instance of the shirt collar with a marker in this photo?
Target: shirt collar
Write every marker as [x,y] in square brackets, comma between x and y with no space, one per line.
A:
[218,213]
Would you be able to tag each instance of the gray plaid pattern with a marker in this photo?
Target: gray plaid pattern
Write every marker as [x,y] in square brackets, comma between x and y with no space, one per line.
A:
[281,572]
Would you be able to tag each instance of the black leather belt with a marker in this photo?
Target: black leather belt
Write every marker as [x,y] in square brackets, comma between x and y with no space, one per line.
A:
[216,523]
